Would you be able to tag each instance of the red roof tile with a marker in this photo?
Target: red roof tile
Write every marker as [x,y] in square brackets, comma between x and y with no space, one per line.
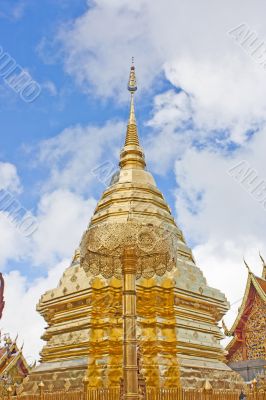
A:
[262,283]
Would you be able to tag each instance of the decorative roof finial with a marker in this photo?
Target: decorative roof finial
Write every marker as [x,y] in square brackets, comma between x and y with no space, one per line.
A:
[264,267]
[226,330]
[249,271]
[132,155]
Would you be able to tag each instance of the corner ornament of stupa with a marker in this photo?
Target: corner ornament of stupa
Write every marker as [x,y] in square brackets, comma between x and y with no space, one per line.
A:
[133,306]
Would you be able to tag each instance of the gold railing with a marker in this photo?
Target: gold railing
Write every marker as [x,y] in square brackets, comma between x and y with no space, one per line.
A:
[191,394]
[152,394]
[103,394]
[78,395]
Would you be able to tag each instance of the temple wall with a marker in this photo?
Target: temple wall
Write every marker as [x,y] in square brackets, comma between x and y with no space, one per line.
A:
[253,335]
[249,357]
[255,331]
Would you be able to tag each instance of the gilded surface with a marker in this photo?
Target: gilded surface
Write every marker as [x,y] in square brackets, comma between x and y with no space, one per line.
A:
[102,249]
[238,354]
[253,334]
[255,331]
[177,312]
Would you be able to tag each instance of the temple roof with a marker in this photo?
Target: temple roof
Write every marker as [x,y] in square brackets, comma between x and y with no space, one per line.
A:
[11,355]
[259,285]
[262,283]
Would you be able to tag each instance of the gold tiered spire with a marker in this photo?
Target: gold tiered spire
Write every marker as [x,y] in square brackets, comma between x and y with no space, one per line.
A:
[132,155]
[132,130]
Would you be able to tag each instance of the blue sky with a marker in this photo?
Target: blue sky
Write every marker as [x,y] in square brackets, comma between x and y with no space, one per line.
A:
[61,103]
[200,107]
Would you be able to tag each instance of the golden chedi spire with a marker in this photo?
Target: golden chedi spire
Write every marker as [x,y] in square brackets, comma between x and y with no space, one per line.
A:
[132,155]
[133,194]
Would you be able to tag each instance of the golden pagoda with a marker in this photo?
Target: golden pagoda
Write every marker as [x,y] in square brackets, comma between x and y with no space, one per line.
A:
[133,309]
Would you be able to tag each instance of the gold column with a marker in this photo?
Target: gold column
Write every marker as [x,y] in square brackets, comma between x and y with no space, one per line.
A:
[130,365]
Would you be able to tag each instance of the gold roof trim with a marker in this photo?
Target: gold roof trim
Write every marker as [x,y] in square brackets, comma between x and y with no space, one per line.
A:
[251,280]
[264,267]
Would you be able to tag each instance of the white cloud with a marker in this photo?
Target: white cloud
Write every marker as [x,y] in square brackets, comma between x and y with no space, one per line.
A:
[11,241]
[171,109]
[18,10]
[13,12]
[219,94]
[224,220]
[50,87]
[73,154]
[62,218]
[104,54]
[8,177]
[20,315]
[222,97]
[209,198]
[223,266]
[67,198]
[171,134]
[224,86]
[62,212]
[13,245]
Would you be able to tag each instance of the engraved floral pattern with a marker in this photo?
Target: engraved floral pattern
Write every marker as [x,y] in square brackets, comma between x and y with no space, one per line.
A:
[102,249]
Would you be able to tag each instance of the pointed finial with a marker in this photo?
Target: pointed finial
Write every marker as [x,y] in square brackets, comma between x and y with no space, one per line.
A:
[262,259]
[76,257]
[249,271]
[207,386]
[132,82]
[226,330]
[132,155]
[264,267]
[132,132]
